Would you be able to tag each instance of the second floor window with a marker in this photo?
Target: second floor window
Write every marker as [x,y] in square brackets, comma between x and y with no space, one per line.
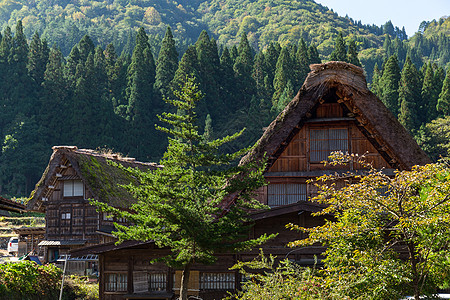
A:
[323,141]
[73,188]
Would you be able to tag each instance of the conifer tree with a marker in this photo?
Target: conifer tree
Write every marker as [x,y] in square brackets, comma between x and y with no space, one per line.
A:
[141,100]
[271,58]
[302,58]
[243,72]
[73,61]
[430,94]
[85,46]
[259,73]
[389,85]
[410,96]
[444,96]
[227,79]
[375,85]
[340,49]
[209,68]
[180,206]
[352,53]
[282,75]
[166,64]
[313,55]
[37,59]
[188,66]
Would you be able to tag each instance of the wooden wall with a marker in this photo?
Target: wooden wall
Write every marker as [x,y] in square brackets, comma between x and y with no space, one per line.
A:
[296,156]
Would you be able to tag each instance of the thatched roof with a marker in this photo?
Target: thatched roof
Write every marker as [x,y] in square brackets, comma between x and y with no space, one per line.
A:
[10,205]
[101,178]
[347,81]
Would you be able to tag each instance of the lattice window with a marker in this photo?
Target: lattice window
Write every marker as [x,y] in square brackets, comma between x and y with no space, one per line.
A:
[217,281]
[116,282]
[73,188]
[324,141]
[286,193]
[158,281]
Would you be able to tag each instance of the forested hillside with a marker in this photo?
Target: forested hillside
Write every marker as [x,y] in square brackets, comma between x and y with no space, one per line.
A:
[104,89]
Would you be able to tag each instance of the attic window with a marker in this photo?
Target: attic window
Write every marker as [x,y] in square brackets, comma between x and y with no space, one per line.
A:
[287,193]
[323,141]
[73,188]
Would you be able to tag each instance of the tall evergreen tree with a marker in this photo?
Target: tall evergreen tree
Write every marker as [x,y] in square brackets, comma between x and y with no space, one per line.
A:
[340,49]
[37,59]
[302,58]
[243,72]
[430,94]
[259,73]
[166,64]
[313,55]
[283,74]
[410,96]
[85,46]
[389,85]
[444,96]
[188,67]
[271,58]
[375,85]
[352,53]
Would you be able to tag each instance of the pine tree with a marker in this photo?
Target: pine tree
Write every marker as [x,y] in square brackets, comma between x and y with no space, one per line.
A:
[37,59]
[352,54]
[166,64]
[179,206]
[209,68]
[243,72]
[302,58]
[430,94]
[141,76]
[271,58]
[259,73]
[389,85]
[313,55]
[85,46]
[375,85]
[410,96]
[188,67]
[340,49]
[282,75]
[444,97]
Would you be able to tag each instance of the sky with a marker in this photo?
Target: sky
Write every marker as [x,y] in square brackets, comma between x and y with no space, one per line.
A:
[408,13]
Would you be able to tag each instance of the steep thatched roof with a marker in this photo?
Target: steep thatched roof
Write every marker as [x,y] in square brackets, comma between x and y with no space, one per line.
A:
[347,81]
[101,178]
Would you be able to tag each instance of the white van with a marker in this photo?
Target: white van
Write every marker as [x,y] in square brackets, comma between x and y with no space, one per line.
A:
[13,245]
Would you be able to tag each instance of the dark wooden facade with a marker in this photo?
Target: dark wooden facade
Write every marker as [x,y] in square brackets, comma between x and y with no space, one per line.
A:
[126,271]
[64,193]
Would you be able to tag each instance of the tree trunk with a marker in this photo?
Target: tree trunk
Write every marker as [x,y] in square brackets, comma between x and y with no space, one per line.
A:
[185,282]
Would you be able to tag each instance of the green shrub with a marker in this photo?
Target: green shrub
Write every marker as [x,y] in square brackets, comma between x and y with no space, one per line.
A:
[26,280]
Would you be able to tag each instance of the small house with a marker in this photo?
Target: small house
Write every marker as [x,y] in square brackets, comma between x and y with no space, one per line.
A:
[72,177]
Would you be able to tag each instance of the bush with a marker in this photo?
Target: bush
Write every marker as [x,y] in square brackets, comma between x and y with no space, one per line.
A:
[27,280]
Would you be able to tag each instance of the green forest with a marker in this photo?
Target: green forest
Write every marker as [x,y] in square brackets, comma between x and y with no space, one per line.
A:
[95,74]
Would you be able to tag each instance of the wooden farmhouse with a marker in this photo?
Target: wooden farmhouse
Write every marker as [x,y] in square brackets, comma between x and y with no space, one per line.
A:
[72,177]
[334,110]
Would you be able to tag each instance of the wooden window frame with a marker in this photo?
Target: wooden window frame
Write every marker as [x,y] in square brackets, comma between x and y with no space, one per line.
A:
[325,143]
[287,188]
[114,286]
[69,188]
[222,281]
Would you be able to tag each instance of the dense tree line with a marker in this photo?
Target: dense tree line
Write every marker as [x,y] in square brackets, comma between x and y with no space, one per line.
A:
[415,95]
[96,98]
